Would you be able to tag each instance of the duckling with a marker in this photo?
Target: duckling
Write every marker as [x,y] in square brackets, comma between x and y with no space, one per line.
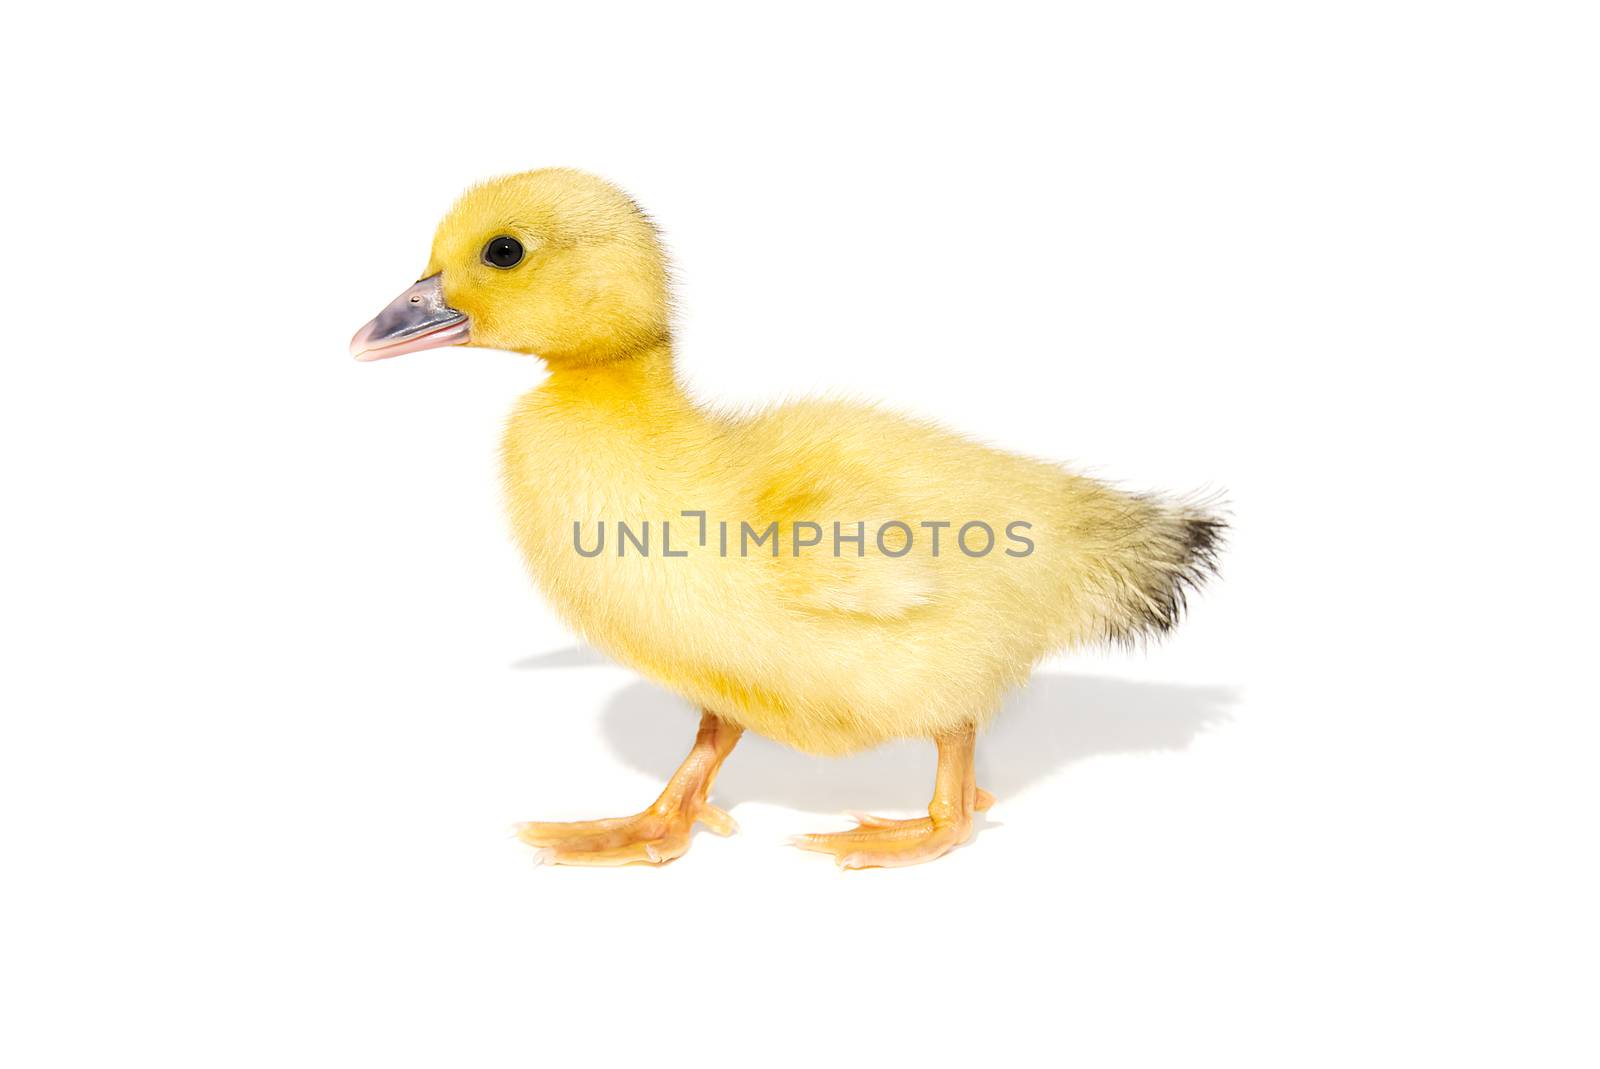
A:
[827,574]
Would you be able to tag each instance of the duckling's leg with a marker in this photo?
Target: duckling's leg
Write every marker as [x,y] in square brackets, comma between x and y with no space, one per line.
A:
[660,833]
[881,841]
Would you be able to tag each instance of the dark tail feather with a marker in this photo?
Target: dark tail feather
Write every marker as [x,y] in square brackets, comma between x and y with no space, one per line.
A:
[1169,553]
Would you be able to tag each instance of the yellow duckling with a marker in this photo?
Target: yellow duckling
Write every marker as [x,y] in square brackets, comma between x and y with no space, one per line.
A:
[826,574]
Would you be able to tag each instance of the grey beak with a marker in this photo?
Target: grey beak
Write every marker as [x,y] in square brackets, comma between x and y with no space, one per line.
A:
[417,319]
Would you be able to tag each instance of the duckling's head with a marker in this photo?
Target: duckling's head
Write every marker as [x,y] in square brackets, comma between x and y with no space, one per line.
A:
[552,262]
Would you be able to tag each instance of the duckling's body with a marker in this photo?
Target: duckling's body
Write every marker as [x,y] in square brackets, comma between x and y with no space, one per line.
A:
[826,654]
[827,574]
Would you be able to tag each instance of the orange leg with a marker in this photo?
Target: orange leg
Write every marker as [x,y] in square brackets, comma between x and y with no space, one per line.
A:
[661,832]
[884,842]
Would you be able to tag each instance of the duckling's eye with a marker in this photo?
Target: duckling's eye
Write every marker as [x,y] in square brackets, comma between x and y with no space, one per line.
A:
[503,251]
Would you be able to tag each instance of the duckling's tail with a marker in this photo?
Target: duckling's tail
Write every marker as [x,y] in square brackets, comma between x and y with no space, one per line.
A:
[1145,558]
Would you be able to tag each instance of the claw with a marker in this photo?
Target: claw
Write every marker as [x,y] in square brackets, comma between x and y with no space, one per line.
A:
[717,820]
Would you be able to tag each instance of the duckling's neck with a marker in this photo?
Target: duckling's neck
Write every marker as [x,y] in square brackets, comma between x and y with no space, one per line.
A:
[629,407]
[640,389]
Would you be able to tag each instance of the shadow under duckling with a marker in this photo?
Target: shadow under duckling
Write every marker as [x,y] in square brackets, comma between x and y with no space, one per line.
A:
[827,574]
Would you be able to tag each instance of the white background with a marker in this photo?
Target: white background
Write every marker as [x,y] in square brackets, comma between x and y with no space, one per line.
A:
[276,687]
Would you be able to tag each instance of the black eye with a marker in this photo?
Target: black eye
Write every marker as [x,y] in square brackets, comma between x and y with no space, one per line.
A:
[502,251]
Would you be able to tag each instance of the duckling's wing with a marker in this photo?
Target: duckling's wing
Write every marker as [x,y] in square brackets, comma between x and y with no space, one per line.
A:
[845,537]
[871,585]
[833,476]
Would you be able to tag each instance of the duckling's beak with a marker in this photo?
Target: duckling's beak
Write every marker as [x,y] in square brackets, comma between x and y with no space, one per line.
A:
[417,319]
